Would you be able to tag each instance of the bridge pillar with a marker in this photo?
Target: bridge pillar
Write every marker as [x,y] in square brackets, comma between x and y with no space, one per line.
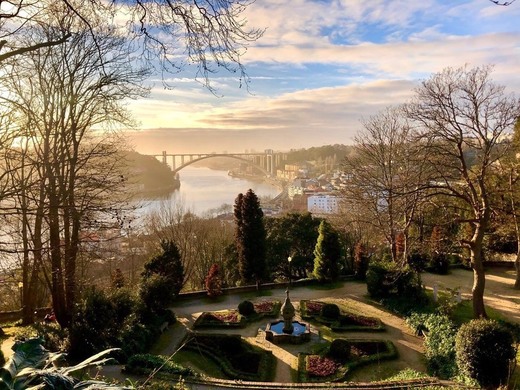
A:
[182,159]
[173,162]
[164,157]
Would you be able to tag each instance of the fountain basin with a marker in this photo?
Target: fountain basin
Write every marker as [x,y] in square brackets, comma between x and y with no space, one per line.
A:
[274,333]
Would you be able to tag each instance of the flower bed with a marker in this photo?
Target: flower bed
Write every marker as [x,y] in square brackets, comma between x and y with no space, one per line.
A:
[311,310]
[321,366]
[325,368]
[233,319]
[218,319]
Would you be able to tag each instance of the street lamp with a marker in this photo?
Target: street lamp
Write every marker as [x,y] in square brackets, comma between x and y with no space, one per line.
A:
[289,259]
[20,287]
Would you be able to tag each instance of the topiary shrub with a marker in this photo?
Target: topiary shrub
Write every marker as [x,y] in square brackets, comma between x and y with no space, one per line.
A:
[484,351]
[246,308]
[339,349]
[330,311]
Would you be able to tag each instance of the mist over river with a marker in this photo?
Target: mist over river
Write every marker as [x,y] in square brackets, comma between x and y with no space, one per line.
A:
[204,190]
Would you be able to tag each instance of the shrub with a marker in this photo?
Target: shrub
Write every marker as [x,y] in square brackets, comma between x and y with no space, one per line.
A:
[439,263]
[387,279]
[484,351]
[440,343]
[360,261]
[339,349]
[145,363]
[213,281]
[2,358]
[418,261]
[330,311]
[246,308]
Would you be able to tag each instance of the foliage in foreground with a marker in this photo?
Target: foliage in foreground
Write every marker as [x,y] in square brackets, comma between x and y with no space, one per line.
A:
[32,366]
[440,343]
[485,351]
[146,364]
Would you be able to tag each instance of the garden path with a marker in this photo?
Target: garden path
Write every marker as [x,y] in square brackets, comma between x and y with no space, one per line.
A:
[350,294]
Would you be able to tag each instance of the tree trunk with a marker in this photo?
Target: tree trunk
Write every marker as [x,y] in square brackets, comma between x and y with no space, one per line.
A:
[517,267]
[479,275]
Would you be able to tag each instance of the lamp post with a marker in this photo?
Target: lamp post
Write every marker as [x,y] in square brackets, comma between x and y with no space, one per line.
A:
[289,259]
[20,287]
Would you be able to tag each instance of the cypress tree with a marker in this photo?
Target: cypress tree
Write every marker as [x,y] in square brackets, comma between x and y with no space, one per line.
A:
[327,253]
[250,238]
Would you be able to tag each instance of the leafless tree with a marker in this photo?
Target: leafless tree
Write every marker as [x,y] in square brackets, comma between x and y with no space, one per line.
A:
[462,118]
[171,34]
[385,172]
[60,93]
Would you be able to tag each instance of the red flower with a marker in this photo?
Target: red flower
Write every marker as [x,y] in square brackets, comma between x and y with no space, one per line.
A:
[321,365]
[229,316]
[314,307]
[264,307]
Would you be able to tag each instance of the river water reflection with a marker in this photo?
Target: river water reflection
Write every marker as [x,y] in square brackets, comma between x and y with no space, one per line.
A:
[204,189]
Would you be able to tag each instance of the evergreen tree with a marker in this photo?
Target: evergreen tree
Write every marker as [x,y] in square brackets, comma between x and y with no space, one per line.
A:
[327,253]
[250,238]
[168,266]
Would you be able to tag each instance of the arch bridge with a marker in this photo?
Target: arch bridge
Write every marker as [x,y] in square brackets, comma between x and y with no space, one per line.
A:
[266,162]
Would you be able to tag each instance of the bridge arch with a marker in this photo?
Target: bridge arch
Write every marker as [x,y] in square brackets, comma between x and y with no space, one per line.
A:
[177,169]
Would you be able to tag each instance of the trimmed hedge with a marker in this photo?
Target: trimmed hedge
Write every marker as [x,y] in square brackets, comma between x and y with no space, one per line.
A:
[330,311]
[344,322]
[485,351]
[236,358]
[385,351]
[144,364]
[246,308]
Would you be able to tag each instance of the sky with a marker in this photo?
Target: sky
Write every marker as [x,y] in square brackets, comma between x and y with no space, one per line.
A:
[321,67]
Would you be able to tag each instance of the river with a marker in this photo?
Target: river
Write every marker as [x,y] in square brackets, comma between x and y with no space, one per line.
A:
[204,190]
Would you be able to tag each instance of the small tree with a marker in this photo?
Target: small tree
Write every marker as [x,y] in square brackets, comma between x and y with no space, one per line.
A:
[214,281]
[118,279]
[360,261]
[165,273]
[327,253]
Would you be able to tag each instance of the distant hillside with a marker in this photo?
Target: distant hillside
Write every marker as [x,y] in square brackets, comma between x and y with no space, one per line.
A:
[148,175]
[318,153]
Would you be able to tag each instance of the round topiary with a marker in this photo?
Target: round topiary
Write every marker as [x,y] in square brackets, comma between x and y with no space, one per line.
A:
[339,349]
[330,311]
[484,351]
[246,308]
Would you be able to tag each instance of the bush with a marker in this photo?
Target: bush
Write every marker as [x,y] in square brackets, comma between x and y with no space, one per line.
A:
[145,363]
[439,264]
[484,351]
[330,311]
[439,345]
[387,279]
[2,358]
[213,281]
[339,349]
[418,261]
[361,261]
[246,308]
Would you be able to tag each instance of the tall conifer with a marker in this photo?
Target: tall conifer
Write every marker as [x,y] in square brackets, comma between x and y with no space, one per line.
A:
[327,253]
[250,238]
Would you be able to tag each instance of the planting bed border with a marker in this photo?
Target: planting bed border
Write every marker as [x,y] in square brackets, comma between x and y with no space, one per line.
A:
[335,326]
[347,367]
[267,362]
[203,322]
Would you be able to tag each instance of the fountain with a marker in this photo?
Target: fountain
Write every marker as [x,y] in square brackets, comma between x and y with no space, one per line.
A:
[287,330]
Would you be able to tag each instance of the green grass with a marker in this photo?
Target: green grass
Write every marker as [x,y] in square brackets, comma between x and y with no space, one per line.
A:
[325,286]
[200,363]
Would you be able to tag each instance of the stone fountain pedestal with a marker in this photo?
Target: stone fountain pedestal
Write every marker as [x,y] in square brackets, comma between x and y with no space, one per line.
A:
[287,330]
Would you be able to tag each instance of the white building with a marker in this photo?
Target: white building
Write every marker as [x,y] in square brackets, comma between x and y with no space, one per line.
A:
[323,204]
